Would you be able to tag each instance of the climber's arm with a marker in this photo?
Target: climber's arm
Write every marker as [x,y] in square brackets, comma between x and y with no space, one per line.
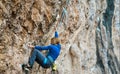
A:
[39,47]
[42,47]
[56,34]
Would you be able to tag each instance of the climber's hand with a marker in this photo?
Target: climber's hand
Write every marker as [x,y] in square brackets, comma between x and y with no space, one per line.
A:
[55,28]
[31,46]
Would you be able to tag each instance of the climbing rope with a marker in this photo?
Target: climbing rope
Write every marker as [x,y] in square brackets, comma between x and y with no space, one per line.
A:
[63,13]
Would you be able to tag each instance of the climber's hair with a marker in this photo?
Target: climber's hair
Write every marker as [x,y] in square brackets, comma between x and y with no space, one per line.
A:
[55,40]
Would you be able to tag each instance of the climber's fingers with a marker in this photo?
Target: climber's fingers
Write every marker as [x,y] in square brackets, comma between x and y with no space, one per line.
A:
[31,46]
[55,28]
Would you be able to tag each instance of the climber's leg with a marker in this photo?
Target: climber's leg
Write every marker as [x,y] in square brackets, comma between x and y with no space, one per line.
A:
[36,54]
[45,63]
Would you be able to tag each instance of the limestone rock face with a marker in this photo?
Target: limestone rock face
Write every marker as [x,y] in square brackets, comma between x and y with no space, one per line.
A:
[89,31]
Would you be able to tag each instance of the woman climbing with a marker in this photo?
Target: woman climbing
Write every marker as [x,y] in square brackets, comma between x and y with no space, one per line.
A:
[44,61]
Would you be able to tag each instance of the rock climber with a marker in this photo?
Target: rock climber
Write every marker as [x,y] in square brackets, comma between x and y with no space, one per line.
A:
[44,61]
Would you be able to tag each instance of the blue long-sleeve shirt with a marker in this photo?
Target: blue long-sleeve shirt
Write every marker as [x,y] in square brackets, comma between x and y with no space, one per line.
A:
[54,50]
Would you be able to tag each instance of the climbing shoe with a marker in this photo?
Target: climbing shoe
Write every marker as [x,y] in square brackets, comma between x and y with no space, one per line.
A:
[26,67]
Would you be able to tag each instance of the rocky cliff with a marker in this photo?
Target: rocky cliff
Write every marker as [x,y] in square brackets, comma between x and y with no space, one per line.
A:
[89,32]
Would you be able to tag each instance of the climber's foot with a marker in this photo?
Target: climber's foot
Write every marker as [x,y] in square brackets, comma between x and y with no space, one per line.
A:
[26,68]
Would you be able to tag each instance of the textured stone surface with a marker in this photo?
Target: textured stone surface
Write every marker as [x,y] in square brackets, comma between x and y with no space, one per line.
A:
[89,33]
